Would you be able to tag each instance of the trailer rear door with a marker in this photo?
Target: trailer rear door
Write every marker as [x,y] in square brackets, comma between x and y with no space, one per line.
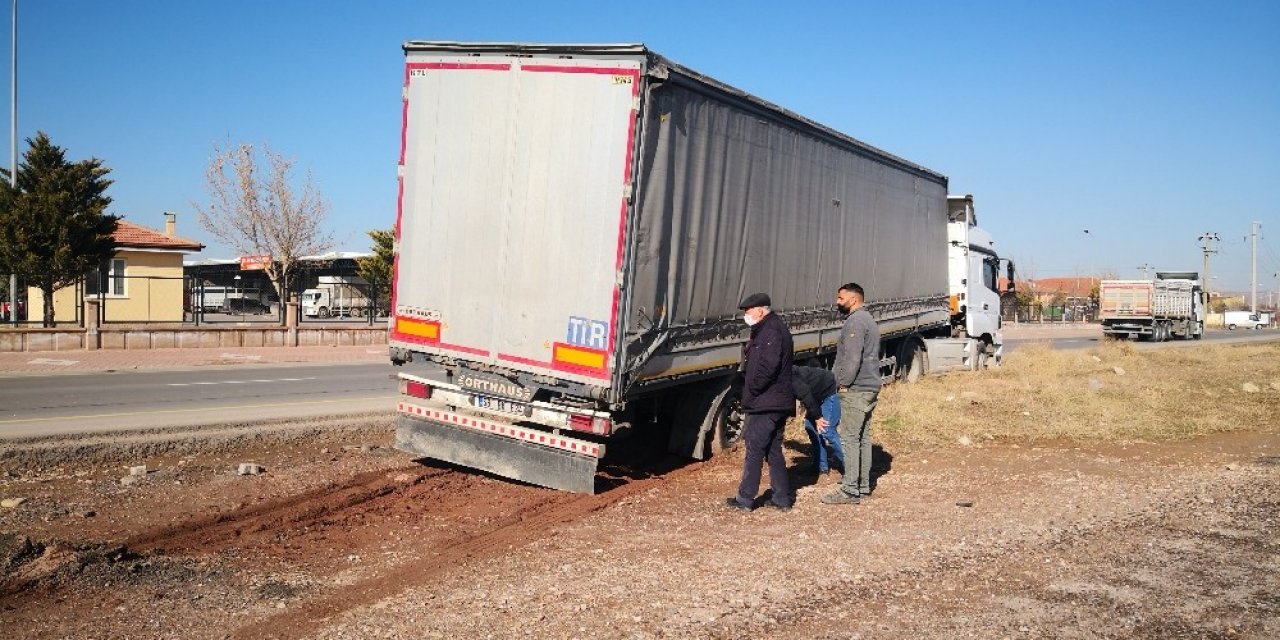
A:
[514,191]
[1126,298]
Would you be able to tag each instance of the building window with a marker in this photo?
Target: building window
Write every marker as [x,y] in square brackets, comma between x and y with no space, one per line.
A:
[114,273]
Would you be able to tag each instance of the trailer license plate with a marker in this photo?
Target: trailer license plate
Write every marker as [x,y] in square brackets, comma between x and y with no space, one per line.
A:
[505,406]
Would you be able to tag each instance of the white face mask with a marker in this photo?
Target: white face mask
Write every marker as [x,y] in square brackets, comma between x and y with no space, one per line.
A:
[751,322]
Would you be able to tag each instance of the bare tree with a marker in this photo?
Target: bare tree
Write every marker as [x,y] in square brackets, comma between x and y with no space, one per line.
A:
[255,209]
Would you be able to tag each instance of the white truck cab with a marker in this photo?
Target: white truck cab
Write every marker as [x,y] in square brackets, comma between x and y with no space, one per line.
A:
[973,269]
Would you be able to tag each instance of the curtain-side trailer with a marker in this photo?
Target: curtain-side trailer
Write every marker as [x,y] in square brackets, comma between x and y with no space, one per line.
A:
[577,224]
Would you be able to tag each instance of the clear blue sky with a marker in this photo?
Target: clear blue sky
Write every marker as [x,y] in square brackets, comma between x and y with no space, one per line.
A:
[1147,123]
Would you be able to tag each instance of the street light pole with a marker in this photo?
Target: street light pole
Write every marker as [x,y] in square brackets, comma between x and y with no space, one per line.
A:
[13,150]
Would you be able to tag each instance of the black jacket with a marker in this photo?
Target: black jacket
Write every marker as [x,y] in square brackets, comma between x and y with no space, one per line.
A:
[812,385]
[767,369]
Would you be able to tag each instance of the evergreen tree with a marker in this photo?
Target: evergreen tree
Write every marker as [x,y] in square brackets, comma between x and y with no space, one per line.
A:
[53,224]
[376,269]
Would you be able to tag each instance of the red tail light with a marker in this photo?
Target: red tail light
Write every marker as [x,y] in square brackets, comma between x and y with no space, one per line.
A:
[417,390]
[589,424]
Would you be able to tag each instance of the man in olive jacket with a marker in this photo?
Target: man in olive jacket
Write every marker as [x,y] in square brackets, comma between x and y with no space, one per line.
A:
[768,400]
[857,373]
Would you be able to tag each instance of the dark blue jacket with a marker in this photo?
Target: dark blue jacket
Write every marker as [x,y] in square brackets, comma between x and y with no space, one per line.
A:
[813,386]
[767,369]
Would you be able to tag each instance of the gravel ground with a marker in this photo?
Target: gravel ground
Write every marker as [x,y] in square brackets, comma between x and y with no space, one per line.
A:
[344,538]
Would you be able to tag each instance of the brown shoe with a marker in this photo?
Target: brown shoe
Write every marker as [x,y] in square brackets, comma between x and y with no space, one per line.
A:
[840,497]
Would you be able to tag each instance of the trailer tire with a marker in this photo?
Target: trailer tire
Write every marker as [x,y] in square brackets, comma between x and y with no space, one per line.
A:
[1231,327]
[1198,332]
[729,422]
[916,361]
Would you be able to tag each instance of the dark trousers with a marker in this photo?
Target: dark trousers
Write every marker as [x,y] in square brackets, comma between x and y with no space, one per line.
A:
[763,440]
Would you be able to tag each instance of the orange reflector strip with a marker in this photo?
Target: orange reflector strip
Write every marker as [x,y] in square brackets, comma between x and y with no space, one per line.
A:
[578,356]
[419,328]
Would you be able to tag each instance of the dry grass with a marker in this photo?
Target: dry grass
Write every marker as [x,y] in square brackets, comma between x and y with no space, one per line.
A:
[1045,394]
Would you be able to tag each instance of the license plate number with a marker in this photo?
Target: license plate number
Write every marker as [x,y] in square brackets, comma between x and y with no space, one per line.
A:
[505,406]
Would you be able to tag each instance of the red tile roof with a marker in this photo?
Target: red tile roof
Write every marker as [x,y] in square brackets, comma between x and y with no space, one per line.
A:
[1076,287]
[135,236]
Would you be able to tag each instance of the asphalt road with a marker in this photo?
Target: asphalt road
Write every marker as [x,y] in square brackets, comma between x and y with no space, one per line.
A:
[64,404]
[97,402]
[1212,336]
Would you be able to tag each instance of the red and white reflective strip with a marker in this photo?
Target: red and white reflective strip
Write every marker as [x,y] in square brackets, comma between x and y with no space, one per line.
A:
[508,430]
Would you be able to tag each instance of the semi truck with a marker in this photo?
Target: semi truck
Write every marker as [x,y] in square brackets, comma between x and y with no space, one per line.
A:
[336,296]
[1170,306]
[577,223]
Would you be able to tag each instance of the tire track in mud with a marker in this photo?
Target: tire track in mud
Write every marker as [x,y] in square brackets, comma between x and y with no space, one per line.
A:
[290,513]
[527,525]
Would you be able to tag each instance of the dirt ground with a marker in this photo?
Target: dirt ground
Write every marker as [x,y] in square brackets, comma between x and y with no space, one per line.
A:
[342,537]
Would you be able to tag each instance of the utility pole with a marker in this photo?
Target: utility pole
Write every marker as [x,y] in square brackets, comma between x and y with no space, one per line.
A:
[1206,238]
[1144,269]
[13,151]
[1253,287]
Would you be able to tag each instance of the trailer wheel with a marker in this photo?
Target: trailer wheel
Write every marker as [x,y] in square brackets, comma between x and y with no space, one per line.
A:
[916,361]
[730,422]
[1232,327]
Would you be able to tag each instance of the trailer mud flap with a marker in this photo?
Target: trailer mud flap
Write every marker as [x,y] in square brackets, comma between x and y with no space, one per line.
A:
[523,461]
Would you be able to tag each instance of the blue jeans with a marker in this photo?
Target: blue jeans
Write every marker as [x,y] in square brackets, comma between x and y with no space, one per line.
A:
[830,411]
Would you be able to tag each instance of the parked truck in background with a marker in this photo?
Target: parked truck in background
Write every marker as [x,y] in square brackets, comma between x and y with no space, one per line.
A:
[1170,306]
[577,225]
[336,297]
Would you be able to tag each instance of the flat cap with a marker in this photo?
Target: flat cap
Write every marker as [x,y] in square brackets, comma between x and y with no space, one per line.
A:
[754,300]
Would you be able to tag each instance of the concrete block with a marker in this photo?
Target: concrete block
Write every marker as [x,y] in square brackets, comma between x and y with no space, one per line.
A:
[163,339]
[112,340]
[40,341]
[68,341]
[10,341]
[138,470]
[137,340]
[250,469]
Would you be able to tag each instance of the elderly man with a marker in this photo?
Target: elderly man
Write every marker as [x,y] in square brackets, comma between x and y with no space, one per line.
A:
[857,373]
[768,400]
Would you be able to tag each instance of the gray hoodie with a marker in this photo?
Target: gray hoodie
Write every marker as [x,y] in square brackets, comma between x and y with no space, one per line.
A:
[857,364]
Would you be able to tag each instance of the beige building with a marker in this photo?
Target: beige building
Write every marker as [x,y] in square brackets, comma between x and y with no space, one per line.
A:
[144,281]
